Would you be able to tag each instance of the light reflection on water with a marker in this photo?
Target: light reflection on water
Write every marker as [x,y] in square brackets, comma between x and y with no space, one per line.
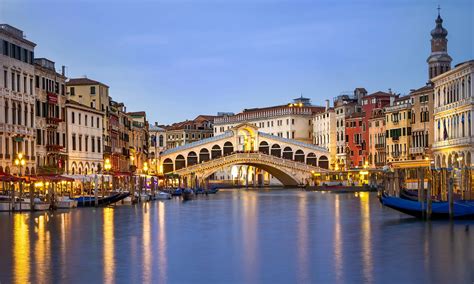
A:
[270,236]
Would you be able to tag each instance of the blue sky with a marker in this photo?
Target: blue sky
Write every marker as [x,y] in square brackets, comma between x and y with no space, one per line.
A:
[178,59]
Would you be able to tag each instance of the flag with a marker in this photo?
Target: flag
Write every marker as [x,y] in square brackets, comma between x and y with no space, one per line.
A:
[445,133]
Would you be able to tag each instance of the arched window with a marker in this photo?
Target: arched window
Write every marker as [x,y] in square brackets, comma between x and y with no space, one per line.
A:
[299,156]
[228,148]
[311,159]
[192,158]
[204,155]
[288,153]
[167,166]
[216,152]
[179,162]
[323,162]
[276,150]
[264,148]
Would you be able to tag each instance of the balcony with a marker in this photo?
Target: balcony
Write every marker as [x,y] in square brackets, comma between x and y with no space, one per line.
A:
[395,138]
[464,102]
[107,149]
[380,146]
[417,150]
[53,121]
[464,141]
[54,148]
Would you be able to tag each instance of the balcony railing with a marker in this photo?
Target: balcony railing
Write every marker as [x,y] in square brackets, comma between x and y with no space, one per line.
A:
[460,103]
[464,141]
[54,148]
[417,150]
[380,146]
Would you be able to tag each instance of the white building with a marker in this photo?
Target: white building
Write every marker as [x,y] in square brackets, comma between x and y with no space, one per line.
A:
[156,144]
[324,130]
[17,100]
[453,113]
[84,132]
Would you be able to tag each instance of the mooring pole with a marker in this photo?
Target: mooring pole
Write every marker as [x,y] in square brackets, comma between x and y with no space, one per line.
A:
[450,197]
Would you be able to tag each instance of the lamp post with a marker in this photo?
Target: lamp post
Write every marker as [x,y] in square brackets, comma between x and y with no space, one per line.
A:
[19,162]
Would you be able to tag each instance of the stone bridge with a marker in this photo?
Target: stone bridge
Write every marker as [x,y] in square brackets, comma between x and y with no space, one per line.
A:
[290,161]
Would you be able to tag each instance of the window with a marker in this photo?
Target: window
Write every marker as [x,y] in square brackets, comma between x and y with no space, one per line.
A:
[72,91]
[73,117]
[74,142]
[80,142]
[98,123]
[85,119]
[93,144]
[87,143]
[93,90]
[98,145]
[79,118]
[5,79]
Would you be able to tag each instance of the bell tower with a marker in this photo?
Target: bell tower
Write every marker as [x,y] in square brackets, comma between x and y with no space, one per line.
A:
[439,60]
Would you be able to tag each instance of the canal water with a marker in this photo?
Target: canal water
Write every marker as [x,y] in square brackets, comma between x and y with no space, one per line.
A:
[236,236]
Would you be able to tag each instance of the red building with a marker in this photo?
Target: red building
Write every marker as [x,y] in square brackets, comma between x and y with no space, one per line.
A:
[355,144]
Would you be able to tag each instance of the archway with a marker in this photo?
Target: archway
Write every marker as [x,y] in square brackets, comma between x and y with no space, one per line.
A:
[228,148]
[311,159]
[276,150]
[287,153]
[167,166]
[216,152]
[299,156]
[264,148]
[204,155]
[323,162]
[192,158]
[179,162]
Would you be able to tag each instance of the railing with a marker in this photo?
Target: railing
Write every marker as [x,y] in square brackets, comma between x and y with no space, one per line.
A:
[417,150]
[54,147]
[454,142]
[396,154]
[380,146]
[249,158]
[460,103]
[395,138]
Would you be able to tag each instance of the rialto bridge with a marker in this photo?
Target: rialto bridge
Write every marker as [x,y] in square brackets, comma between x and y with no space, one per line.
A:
[290,161]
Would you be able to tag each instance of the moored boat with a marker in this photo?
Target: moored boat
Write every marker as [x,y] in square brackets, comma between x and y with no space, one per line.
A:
[188,194]
[64,202]
[40,205]
[162,196]
[439,210]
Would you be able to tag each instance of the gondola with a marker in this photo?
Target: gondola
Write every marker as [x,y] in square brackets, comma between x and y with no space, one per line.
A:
[89,201]
[439,210]
[188,194]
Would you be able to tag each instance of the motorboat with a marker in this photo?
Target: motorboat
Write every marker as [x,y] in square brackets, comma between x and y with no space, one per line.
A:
[162,196]
[40,205]
[6,203]
[177,192]
[64,202]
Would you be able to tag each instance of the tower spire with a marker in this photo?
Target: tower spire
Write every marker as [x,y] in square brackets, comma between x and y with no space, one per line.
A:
[439,60]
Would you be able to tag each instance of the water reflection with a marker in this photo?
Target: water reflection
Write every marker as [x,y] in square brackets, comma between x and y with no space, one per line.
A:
[109,247]
[162,258]
[366,236]
[146,233]
[337,244]
[249,236]
[302,244]
[42,248]
[21,248]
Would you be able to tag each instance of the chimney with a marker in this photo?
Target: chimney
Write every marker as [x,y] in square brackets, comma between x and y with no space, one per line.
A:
[63,70]
[327,105]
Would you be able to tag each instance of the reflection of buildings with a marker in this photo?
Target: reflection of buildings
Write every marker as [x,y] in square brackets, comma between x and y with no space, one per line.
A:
[17,99]
[50,121]
[84,128]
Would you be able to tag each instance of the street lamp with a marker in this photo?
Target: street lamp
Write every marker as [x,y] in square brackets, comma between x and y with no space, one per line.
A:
[107,165]
[19,162]
[145,167]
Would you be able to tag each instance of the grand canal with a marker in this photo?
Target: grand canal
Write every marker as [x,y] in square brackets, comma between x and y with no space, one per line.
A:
[236,236]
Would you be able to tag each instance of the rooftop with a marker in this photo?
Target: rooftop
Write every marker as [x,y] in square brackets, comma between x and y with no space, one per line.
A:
[83,82]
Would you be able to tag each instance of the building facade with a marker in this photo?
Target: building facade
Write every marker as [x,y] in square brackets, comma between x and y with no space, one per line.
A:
[376,145]
[188,131]
[84,134]
[422,123]
[453,112]
[17,101]
[157,144]
[117,148]
[139,142]
[50,122]
[344,105]
[398,131]
[324,131]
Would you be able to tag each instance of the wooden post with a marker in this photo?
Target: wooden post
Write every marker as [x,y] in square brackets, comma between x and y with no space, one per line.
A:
[422,189]
[420,193]
[102,188]
[428,201]
[132,187]
[450,197]
[32,195]
[96,192]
